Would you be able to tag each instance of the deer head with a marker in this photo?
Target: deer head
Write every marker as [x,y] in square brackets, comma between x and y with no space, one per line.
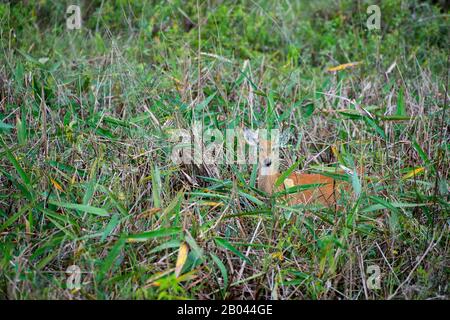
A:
[267,160]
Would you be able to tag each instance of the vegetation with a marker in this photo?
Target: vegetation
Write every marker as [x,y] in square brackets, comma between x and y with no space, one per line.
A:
[85,170]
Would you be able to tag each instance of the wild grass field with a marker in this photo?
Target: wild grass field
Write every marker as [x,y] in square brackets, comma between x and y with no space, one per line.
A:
[92,207]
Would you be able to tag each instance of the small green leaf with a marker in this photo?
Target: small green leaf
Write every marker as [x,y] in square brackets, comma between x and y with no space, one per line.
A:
[374,125]
[17,166]
[144,236]
[378,206]
[111,225]
[109,260]
[223,270]
[156,187]
[21,131]
[393,219]
[286,174]
[298,188]
[205,102]
[5,126]
[198,252]
[356,184]
[401,108]
[81,207]
[225,244]
[307,110]
[174,243]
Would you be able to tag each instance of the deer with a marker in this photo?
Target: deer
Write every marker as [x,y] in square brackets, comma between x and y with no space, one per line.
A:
[326,193]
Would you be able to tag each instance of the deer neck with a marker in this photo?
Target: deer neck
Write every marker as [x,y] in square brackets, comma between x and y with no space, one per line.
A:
[266,181]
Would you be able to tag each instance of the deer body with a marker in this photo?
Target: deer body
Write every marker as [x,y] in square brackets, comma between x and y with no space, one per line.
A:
[324,194]
[268,175]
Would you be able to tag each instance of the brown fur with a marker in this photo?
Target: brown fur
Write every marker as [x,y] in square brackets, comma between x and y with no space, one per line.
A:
[325,194]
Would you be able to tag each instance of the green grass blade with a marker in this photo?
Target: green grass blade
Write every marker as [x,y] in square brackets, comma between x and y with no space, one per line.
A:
[286,174]
[110,258]
[81,207]
[221,242]
[145,236]
[223,271]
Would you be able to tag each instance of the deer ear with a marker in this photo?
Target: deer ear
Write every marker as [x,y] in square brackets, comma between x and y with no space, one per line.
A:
[251,136]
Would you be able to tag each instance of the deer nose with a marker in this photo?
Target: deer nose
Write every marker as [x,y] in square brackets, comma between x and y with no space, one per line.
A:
[267,162]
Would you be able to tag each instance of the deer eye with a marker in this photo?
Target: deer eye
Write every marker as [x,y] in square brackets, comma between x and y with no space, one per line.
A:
[267,162]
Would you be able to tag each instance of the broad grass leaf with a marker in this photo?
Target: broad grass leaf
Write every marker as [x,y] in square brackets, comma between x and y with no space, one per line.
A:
[81,207]
[225,244]
[145,236]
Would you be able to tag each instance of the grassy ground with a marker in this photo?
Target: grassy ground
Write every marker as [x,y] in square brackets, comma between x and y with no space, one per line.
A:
[86,178]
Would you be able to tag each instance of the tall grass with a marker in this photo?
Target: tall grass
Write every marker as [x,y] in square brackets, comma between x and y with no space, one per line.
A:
[86,116]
